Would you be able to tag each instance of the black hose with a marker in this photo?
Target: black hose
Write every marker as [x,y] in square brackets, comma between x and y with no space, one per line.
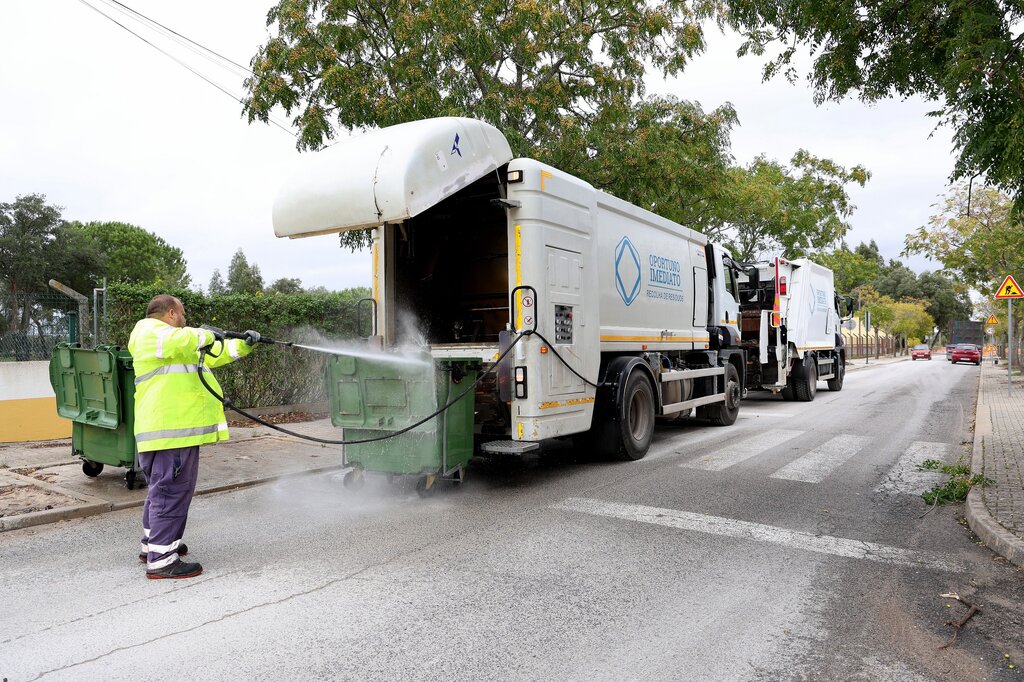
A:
[228,404]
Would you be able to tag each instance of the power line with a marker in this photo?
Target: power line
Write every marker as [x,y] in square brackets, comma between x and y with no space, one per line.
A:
[180,62]
[184,40]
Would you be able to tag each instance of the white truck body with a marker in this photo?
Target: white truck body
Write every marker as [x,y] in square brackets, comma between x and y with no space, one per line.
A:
[791,329]
[472,245]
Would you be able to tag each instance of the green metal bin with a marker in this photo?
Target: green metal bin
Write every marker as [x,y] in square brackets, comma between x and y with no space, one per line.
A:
[95,389]
[374,396]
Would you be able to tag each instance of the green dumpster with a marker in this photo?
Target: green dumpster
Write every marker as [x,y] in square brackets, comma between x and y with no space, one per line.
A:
[95,389]
[372,396]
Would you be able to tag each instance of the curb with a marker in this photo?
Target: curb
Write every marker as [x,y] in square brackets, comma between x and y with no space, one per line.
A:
[984,525]
[95,505]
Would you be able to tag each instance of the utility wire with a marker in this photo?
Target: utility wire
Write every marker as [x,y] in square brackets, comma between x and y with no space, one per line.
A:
[184,40]
[180,62]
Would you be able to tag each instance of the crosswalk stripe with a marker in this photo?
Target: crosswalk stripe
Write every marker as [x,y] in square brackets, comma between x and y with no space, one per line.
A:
[746,530]
[817,464]
[906,477]
[741,450]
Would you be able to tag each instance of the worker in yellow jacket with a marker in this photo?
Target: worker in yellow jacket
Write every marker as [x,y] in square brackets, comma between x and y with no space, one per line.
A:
[174,415]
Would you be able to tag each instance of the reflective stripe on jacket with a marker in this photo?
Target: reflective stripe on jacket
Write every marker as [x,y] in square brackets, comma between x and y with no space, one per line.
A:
[172,408]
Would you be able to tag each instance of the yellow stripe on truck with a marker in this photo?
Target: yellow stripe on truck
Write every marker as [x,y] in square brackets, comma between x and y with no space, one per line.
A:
[656,339]
[519,276]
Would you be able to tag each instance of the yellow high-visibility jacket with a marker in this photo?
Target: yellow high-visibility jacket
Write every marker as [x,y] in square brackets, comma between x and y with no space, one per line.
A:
[172,408]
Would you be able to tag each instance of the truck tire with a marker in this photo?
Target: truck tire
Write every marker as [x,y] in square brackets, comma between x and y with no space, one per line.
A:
[725,413]
[836,383]
[806,385]
[636,417]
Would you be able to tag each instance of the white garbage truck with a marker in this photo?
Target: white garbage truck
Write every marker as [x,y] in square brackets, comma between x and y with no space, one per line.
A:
[790,327]
[618,316]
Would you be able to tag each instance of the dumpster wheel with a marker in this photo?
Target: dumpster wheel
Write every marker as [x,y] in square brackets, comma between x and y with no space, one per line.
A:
[91,469]
[129,479]
[354,479]
[426,485]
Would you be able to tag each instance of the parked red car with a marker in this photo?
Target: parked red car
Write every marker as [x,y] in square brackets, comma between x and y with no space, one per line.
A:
[921,351]
[966,352]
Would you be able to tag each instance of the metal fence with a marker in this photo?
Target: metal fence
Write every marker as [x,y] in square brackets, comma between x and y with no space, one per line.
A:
[868,345]
[30,331]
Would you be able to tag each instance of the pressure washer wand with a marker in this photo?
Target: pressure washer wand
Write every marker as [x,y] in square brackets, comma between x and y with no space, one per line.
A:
[239,335]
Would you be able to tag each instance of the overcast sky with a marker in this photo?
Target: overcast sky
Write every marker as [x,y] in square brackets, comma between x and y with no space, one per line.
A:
[111,129]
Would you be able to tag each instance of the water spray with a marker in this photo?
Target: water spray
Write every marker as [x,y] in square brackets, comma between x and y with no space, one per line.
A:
[226,402]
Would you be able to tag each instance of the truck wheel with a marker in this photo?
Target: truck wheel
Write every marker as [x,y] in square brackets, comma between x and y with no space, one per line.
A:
[725,413]
[807,384]
[91,469]
[836,383]
[636,417]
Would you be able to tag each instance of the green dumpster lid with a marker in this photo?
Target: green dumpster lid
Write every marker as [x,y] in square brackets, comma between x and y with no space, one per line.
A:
[86,383]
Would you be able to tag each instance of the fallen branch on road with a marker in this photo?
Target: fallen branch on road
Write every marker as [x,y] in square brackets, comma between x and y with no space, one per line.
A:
[957,624]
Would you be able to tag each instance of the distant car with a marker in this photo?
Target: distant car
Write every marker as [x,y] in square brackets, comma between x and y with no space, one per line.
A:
[966,352]
[949,351]
[920,351]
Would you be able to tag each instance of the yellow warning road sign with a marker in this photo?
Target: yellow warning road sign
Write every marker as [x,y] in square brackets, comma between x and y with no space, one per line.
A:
[1009,289]
[991,320]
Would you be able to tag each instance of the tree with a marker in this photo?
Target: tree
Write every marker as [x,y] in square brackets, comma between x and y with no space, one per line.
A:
[793,211]
[897,281]
[870,252]
[980,246]
[851,270]
[563,81]
[133,255]
[964,55]
[946,300]
[911,321]
[536,71]
[242,277]
[286,285]
[36,246]
[217,286]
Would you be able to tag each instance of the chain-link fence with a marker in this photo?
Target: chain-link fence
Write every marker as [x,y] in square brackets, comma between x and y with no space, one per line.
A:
[29,330]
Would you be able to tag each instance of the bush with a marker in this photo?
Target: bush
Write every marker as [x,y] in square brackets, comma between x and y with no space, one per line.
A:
[956,488]
[271,375]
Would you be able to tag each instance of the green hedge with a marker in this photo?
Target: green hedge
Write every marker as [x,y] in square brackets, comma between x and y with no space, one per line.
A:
[271,375]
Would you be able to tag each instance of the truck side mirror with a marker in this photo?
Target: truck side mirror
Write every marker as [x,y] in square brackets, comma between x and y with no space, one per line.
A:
[850,306]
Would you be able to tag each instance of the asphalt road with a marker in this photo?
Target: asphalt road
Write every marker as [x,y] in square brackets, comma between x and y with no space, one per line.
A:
[793,545]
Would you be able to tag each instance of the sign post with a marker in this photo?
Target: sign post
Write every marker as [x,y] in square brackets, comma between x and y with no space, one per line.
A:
[1009,290]
[867,335]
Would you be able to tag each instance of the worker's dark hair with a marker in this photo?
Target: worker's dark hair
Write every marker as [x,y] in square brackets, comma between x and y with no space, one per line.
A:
[160,304]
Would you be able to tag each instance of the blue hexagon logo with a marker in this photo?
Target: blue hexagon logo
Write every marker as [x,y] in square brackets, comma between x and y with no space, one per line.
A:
[627,271]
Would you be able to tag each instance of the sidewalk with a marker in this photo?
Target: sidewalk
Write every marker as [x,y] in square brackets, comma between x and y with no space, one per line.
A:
[996,512]
[42,483]
[854,364]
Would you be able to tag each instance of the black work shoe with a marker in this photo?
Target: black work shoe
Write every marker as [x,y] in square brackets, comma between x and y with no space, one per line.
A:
[182,551]
[179,569]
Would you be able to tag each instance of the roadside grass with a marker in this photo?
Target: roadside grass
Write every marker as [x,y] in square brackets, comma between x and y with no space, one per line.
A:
[956,488]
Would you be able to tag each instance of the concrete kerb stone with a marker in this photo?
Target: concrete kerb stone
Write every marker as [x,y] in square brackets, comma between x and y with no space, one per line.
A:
[992,533]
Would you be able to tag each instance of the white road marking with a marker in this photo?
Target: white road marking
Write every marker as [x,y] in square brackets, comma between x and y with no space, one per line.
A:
[679,443]
[745,530]
[741,450]
[817,464]
[905,477]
